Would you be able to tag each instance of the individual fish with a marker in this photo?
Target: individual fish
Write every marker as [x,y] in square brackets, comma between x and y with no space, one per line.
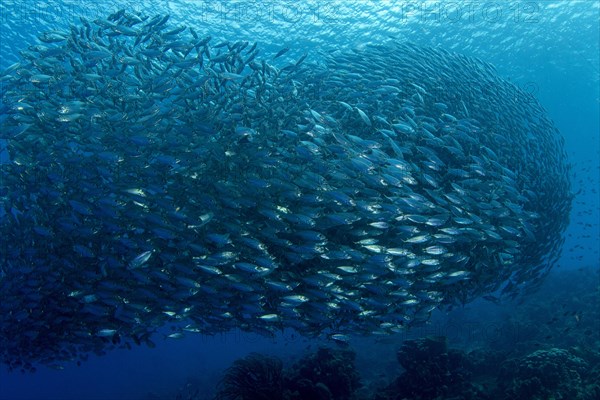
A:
[281,52]
[141,259]
[363,116]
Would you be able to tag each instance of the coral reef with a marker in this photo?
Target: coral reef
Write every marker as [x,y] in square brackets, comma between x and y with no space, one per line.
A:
[327,374]
[432,371]
[543,374]
[255,377]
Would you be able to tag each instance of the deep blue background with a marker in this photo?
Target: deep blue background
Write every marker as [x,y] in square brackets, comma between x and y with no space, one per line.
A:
[548,48]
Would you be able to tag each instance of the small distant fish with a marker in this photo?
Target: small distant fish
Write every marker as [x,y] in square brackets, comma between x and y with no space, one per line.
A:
[270,317]
[363,116]
[340,338]
[281,52]
[176,335]
[140,260]
[106,332]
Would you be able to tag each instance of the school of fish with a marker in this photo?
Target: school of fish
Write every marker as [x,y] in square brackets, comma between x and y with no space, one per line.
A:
[157,176]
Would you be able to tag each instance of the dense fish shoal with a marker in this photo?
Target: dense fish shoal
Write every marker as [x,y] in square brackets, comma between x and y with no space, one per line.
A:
[158,176]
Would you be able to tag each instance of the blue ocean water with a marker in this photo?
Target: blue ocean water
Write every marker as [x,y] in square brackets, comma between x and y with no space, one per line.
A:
[547,48]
